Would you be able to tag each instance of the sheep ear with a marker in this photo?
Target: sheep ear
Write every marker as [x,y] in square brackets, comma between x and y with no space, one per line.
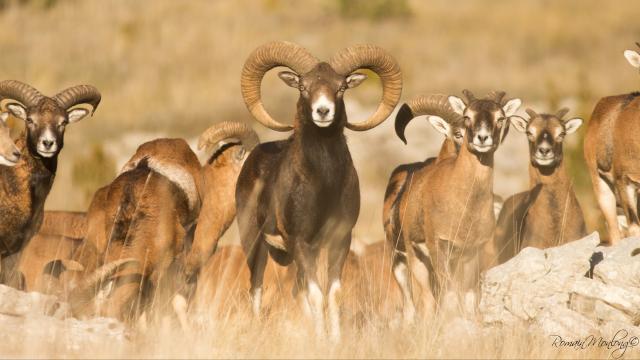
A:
[18,111]
[571,125]
[77,114]
[4,116]
[457,105]
[511,107]
[633,58]
[355,79]
[290,78]
[440,125]
[519,123]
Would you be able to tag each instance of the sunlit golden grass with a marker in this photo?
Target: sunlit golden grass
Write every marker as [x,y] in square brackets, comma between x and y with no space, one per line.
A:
[372,328]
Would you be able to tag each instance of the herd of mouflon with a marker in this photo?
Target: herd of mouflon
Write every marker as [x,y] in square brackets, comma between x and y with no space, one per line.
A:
[155,227]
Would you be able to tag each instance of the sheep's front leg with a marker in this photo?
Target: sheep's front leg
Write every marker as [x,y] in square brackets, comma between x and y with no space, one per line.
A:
[306,258]
[338,253]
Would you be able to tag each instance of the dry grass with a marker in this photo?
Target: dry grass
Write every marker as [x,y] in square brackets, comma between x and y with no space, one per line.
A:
[172,68]
[225,327]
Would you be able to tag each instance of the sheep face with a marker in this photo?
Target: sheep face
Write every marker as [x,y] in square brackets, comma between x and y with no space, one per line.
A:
[546,134]
[321,92]
[484,121]
[45,124]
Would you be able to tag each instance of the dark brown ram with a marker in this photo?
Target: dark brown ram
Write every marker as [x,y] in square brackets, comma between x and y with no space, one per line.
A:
[25,186]
[300,195]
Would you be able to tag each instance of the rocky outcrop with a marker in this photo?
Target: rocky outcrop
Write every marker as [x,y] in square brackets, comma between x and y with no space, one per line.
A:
[574,290]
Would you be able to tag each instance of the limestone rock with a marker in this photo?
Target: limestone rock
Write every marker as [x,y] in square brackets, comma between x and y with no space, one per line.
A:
[551,289]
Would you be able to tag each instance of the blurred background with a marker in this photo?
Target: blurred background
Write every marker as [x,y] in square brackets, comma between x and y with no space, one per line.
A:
[172,68]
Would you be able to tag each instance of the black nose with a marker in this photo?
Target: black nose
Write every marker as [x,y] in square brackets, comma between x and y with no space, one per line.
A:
[483,138]
[47,144]
[322,111]
[544,151]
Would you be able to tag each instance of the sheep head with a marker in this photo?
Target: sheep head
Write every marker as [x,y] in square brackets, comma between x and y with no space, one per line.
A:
[47,117]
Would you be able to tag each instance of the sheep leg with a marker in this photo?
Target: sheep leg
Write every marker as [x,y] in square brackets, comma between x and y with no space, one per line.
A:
[629,198]
[607,201]
[338,253]
[257,262]
[213,222]
[124,303]
[400,268]
[299,285]
[424,273]
[305,257]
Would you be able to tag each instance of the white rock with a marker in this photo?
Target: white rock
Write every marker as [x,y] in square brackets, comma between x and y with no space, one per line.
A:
[548,289]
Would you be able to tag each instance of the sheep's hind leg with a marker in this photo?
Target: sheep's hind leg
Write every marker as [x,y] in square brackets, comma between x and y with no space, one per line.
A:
[628,191]
[607,200]
[257,262]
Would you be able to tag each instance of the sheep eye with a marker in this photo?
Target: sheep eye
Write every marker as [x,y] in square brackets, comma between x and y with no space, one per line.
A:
[301,88]
[457,135]
[29,121]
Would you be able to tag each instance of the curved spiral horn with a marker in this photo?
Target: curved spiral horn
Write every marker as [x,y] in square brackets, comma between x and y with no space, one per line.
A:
[21,92]
[263,59]
[382,63]
[84,290]
[80,94]
[228,130]
[424,105]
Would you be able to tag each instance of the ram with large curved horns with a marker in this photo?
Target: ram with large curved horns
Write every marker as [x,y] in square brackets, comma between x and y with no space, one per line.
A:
[25,186]
[300,195]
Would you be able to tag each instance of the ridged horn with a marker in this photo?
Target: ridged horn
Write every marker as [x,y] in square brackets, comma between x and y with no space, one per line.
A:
[84,291]
[468,96]
[532,114]
[436,104]
[228,130]
[80,94]
[498,97]
[384,65]
[21,92]
[263,59]
[562,112]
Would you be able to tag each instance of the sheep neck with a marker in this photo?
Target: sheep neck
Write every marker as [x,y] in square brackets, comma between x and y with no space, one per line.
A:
[322,152]
[550,186]
[478,166]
